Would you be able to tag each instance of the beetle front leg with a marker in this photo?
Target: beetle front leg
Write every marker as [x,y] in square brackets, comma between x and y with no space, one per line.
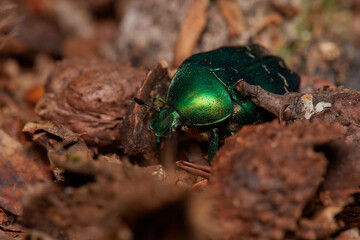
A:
[214,144]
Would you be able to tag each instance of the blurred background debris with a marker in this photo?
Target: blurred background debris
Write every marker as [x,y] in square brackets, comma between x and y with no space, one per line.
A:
[69,71]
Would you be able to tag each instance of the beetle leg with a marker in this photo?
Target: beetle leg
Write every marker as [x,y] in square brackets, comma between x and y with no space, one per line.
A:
[214,143]
[160,99]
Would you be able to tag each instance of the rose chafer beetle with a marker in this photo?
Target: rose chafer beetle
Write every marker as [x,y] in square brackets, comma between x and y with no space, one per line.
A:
[203,95]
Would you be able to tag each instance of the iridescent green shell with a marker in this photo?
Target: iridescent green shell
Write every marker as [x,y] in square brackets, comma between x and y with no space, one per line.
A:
[199,97]
[203,93]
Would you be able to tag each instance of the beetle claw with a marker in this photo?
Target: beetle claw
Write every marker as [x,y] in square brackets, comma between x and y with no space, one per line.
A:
[195,169]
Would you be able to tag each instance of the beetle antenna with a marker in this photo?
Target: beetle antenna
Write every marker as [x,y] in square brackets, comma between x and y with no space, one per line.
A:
[141,102]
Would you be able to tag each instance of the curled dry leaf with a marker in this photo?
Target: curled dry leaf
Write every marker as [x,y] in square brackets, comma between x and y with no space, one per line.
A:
[19,167]
[90,98]
[265,175]
[136,137]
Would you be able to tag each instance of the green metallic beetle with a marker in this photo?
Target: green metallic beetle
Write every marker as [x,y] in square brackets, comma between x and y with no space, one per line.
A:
[203,93]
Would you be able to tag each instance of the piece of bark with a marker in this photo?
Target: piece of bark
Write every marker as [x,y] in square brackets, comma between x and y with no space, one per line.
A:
[265,175]
[190,30]
[136,138]
[91,98]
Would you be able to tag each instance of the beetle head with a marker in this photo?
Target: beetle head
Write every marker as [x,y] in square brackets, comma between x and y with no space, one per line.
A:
[165,120]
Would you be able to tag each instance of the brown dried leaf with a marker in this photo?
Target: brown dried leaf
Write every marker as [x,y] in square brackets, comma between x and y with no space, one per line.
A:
[19,168]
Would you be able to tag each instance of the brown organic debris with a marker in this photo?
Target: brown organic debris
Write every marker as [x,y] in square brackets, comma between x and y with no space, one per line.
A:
[270,19]
[310,84]
[342,179]
[287,10]
[351,213]
[19,167]
[54,137]
[137,139]
[8,21]
[233,16]
[336,105]
[140,206]
[265,175]
[190,30]
[90,98]
[350,234]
